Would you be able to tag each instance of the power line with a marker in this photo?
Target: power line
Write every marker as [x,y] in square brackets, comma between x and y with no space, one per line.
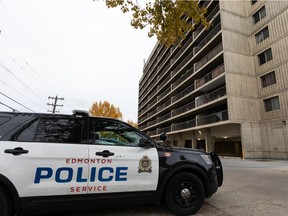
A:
[16,102]
[10,44]
[19,80]
[44,83]
[23,95]
[14,110]
[22,68]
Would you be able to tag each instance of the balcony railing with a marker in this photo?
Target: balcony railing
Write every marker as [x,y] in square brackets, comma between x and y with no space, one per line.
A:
[152,113]
[183,48]
[184,125]
[183,93]
[152,103]
[151,133]
[208,38]
[208,77]
[165,129]
[183,77]
[209,56]
[165,59]
[213,118]
[142,126]
[209,18]
[188,58]
[166,104]
[211,96]
[143,110]
[151,123]
[165,81]
[164,117]
[183,109]
[167,90]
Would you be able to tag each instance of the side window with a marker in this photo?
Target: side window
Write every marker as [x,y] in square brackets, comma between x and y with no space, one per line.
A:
[268,79]
[272,104]
[260,14]
[262,35]
[107,132]
[3,120]
[27,135]
[60,130]
[265,56]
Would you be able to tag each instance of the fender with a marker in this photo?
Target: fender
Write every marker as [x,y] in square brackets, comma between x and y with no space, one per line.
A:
[13,191]
[182,168]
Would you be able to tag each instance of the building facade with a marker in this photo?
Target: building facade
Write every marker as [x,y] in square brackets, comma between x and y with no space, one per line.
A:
[226,88]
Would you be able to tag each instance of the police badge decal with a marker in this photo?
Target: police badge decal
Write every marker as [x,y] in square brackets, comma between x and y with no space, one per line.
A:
[145,165]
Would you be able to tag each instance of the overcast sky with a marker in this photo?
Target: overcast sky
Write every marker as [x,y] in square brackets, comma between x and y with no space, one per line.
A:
[76,49]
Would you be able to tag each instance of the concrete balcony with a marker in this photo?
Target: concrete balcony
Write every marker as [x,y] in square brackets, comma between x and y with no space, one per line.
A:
[165,129]
[183,93]
[210,76]
[203,99]
[164,117]
[182,78]
[184,125]
[212,118]
[208,57]
[183,109]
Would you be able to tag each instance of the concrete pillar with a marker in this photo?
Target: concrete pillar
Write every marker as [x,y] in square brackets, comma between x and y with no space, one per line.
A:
[194,140]
[181,141]
[209,141]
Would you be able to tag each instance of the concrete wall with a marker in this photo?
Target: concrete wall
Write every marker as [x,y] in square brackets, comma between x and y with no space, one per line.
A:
[274,139]
[263,134]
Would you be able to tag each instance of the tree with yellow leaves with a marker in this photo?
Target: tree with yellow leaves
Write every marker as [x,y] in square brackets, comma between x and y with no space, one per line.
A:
[132,123]
[105,109]
[169,20]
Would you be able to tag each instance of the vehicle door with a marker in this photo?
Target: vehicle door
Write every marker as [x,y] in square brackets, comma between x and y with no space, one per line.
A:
[117,163]
[47,160]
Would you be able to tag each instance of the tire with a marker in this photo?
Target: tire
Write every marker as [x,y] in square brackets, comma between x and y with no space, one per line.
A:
[6,208]
[184,194]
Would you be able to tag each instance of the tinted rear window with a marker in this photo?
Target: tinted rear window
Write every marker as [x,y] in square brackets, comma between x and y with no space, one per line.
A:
[59,130]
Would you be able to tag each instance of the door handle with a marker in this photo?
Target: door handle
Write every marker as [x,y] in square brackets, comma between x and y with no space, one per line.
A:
[105,153]
[16,151]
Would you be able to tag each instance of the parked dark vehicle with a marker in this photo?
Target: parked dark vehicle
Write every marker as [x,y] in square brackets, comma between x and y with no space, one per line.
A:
[58,163]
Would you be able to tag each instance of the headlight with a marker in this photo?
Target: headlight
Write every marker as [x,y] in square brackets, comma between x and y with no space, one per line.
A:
[207,159]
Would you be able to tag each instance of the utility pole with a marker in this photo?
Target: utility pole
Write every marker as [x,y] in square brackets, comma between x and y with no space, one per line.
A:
[55,103]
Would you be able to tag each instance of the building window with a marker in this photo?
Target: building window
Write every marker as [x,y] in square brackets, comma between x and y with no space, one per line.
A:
[265,56]
[272,104]
[260,14]
[262,35]
[253,2]
[268,79]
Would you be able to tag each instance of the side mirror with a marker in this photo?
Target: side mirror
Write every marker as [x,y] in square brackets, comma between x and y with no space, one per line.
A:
[163,136]
[145,143]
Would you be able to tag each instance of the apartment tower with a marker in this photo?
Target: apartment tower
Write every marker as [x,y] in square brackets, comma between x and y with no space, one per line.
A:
[224,89]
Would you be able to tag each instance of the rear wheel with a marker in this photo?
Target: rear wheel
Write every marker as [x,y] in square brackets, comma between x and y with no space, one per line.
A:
[184,194]
[6,208]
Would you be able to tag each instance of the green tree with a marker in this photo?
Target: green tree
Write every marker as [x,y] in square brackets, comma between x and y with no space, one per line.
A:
[105,109]
[169,20]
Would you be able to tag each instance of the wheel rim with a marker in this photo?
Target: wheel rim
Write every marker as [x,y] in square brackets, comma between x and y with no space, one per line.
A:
[185,194]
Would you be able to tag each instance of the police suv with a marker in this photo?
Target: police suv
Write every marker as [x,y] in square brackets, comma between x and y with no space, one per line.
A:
[57,163]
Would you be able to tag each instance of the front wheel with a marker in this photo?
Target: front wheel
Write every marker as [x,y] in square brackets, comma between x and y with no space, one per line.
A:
[5,203]
[184,194]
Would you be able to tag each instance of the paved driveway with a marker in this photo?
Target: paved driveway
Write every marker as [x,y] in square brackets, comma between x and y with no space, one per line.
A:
[253,187]
[250,188]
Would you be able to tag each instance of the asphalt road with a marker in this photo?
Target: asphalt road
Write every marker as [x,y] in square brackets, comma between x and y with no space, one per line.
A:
[250,188]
